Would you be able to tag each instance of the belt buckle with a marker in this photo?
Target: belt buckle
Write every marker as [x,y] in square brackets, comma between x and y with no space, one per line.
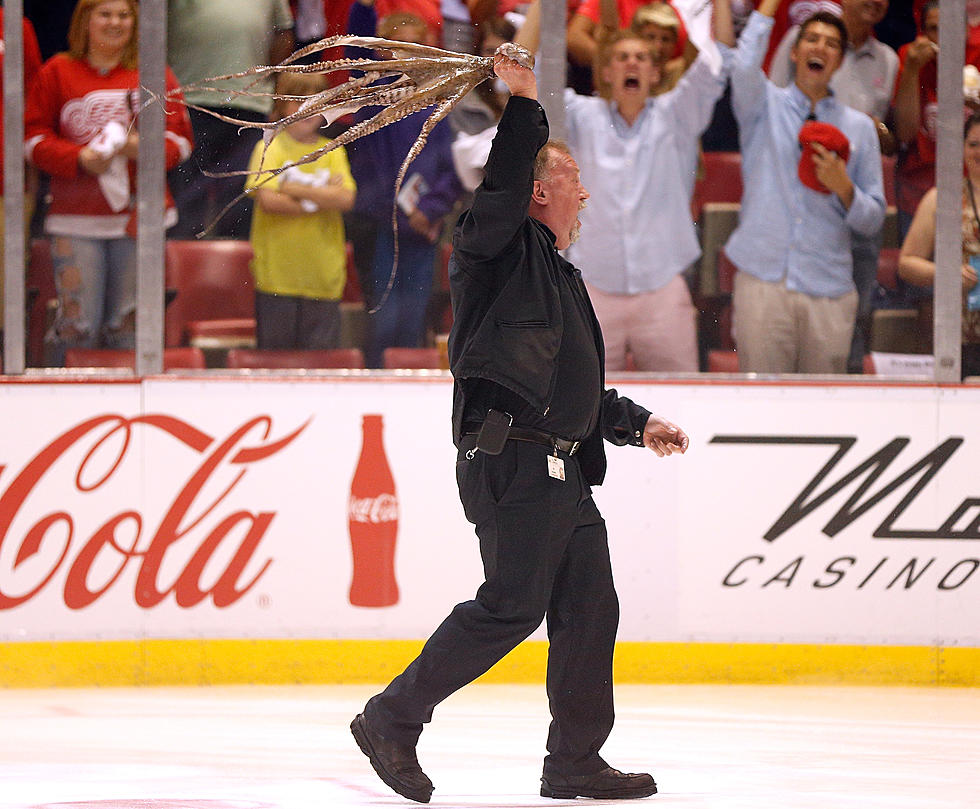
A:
[560,444]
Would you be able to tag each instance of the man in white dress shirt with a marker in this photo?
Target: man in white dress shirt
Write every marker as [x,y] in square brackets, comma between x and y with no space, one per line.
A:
[638,156]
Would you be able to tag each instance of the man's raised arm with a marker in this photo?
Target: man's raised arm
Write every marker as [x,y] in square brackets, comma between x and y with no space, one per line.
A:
[501,202]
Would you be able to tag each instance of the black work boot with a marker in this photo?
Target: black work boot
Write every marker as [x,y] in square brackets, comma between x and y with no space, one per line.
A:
[608,783]
[396,764]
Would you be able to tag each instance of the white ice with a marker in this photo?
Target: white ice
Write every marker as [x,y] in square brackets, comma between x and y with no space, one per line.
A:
[271,747]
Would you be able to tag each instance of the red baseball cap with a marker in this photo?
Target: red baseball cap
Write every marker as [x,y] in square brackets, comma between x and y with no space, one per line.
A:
[828,136]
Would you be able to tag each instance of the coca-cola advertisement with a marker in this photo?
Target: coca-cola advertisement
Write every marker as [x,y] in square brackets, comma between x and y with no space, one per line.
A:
[270,512]
[326,508]
[373,522]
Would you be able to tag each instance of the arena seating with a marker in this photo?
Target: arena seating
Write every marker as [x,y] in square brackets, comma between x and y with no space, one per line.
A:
[399,357]
[183,357]
[275,359]
[215,303]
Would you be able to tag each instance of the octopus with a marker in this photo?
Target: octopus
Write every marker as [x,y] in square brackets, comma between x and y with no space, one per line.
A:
[416,77]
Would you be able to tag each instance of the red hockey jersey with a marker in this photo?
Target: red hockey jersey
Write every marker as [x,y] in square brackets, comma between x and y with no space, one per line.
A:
[67,107]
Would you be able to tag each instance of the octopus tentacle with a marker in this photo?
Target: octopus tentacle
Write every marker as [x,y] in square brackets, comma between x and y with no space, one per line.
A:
[441,111]
[422,76]
[373,124]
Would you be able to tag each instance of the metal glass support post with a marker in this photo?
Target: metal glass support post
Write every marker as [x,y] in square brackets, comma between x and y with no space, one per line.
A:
[949,182]
[551,88]
[151,183]
[14,248]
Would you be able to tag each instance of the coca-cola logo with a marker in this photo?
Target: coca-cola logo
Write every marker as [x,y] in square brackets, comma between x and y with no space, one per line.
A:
[383,508]
[179,548]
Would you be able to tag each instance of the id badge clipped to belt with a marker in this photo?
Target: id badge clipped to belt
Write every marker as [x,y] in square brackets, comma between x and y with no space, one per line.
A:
[493,433]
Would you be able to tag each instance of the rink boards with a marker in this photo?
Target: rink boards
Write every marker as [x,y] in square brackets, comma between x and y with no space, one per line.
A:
[196,530]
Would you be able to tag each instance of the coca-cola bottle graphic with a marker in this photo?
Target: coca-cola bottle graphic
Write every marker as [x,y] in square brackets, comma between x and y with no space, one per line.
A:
[372,518]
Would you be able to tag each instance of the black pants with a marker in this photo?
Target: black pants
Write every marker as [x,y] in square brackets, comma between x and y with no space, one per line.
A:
[290,322]
[544,549]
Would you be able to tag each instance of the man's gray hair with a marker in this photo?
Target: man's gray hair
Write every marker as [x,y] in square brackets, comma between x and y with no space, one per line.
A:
[545,159]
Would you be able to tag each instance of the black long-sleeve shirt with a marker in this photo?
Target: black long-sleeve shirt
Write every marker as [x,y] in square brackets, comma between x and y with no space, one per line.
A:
[525,337]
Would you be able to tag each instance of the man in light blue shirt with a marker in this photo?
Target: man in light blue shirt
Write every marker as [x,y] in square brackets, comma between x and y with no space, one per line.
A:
[865,81]
[795,301]
[638,157]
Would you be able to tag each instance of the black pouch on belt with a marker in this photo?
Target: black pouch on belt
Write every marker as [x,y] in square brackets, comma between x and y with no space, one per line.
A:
[494,431]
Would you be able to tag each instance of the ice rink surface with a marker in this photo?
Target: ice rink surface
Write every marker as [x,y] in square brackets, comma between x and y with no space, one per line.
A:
[272,747]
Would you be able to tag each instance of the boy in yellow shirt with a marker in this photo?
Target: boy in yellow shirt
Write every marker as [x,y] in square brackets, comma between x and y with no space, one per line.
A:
[297,233]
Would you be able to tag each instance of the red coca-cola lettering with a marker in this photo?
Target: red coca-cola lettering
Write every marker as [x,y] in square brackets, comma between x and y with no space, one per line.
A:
[178,525]
[372,518]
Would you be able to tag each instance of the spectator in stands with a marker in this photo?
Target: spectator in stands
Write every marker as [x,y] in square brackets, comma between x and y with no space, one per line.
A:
[428,193]
[79,112]
[483,107]
[722,133]
[790,13]
[430,11]
[475,118]
[584,29]
[32,64]
[865,81]
[866,78]
[916,103]
[638,156]
[795,301]
[458,31]
[917,264]
[310,22]
[300,262]
[660,25]
[212,39]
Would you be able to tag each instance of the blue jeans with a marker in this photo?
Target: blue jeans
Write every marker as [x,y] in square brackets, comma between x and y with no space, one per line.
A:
[96,283]
[401,320]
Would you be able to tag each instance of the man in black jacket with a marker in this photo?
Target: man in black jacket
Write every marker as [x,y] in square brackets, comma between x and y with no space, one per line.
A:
[530,412]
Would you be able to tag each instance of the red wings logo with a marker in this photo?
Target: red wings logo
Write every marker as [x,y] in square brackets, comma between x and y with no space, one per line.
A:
[83,118]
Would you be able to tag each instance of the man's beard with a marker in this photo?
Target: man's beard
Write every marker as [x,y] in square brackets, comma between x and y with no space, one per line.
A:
[576,230]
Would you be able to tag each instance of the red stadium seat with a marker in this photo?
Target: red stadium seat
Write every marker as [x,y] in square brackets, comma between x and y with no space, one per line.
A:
[215,302]
[722,180]
[722,362]
[299,358]
[173,358]
[352,289]
[888,178]
[715,205]
[888,268]
[398,357]
[42,298]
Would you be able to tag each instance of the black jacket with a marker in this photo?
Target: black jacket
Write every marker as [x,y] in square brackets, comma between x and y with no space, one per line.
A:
[507,315]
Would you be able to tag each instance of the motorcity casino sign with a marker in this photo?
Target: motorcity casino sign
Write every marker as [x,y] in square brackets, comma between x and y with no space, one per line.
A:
[847,487]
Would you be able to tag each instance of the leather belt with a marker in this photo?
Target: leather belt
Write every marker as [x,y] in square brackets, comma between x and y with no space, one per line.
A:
[533,436]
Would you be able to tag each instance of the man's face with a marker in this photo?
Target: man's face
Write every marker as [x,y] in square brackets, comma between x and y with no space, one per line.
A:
[661,42]
[817,55]
[869,12]
[566,196]
[630,72]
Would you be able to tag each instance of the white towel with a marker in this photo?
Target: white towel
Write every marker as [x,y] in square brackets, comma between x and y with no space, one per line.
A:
[316,179]
[697,19]
[114,182]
